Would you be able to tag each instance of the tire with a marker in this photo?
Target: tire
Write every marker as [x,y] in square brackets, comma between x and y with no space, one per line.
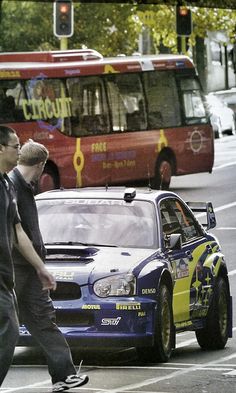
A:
[215,334]
[233,130]
[48,180]
[164,330]
[163,173]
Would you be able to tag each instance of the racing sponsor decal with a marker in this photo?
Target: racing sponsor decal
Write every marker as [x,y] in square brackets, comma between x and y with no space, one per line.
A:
[142,314]
[148,291]
[107,202]
[128,306]
[183,324]
[192,291]
[91,307]
[110,321]
[180,268]
[63,275]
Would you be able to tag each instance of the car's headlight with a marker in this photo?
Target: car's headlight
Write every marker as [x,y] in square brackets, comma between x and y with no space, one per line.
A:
[118,285]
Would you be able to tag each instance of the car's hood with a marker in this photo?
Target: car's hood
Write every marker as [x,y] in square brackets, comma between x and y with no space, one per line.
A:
[88,264]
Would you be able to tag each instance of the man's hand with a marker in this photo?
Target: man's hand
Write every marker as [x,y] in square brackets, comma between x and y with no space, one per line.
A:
[47,280]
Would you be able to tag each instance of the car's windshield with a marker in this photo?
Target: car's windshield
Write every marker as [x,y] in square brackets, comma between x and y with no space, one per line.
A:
[98,222]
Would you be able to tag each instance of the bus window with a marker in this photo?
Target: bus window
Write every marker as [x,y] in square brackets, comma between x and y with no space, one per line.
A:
[47,100]
[162,99]
[194,110]
[126,101]
[89,106]
[11,94]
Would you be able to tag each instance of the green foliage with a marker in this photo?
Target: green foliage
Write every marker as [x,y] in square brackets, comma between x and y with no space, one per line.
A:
[110,28]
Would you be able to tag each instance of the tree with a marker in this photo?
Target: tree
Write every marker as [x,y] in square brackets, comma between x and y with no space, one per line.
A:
[110,28]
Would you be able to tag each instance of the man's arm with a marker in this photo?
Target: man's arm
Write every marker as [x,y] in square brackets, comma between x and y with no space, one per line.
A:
[26,248]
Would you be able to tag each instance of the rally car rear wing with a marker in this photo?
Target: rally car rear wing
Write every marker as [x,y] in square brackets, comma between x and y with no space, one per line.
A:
[204,209]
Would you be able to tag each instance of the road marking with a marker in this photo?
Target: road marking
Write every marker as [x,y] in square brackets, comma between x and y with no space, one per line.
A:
[223,207]
[226,229]
[34,385]
[218,209]
[175,374]
[232,273]
[224,166]
[231,373]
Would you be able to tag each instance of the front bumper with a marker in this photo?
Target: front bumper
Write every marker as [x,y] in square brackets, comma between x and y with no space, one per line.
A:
[112,324]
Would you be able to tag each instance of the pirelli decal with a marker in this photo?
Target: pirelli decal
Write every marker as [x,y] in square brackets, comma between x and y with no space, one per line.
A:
[128,306]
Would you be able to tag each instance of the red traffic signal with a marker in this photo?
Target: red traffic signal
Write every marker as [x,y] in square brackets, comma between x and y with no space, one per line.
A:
[63,16]
[183,21]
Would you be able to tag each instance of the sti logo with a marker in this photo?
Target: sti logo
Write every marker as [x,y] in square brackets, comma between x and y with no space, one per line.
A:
[110,321]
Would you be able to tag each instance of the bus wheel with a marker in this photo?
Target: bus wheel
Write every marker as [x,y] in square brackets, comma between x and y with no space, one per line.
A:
[215,334]
[163,173]
[48,180]
[164,330]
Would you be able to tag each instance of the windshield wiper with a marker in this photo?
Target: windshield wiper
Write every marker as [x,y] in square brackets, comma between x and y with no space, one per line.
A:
[70,243]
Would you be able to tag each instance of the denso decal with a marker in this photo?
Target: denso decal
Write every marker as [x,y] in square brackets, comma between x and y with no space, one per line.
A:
[110,321]
[128,306]
[148,291]
[91,307]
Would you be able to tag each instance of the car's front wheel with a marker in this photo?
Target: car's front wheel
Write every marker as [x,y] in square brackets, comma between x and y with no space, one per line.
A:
[215,334]
[164,330]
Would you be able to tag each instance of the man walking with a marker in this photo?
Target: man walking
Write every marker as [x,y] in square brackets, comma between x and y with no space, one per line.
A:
[12,231]
[35,306]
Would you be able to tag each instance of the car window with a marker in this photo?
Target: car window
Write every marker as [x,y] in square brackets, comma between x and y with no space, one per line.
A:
[93,221]
[176,218]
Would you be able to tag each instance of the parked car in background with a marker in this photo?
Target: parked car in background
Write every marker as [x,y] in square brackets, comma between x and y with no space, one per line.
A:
[222,117]
[228,97]
[133,268]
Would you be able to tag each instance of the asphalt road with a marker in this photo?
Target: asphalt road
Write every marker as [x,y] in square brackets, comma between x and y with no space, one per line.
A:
[190,369]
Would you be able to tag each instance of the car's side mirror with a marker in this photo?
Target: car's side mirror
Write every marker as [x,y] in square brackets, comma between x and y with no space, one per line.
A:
[173,241]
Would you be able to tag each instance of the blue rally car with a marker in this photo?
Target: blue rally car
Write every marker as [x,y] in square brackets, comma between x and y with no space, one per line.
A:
[133,268]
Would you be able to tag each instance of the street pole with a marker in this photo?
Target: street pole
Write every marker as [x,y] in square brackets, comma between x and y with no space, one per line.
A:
[63,43]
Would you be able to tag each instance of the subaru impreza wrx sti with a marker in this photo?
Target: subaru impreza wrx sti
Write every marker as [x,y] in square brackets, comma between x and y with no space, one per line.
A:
[133,268]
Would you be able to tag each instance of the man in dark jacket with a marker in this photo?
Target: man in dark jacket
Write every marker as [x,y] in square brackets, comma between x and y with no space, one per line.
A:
[36,308]
[11,232]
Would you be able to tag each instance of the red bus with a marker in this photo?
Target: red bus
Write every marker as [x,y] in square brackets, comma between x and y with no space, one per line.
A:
[108,120]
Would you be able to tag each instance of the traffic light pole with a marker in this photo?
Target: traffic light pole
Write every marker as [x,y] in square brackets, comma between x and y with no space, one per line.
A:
[63,43]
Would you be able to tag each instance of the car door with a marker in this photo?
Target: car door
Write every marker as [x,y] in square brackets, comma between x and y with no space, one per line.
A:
[187,262]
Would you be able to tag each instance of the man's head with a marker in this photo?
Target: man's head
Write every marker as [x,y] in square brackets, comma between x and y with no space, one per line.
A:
[9,148]
[33,157]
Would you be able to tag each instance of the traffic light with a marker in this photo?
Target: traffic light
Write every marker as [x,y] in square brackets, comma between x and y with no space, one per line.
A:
[183,21]
[63,16]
